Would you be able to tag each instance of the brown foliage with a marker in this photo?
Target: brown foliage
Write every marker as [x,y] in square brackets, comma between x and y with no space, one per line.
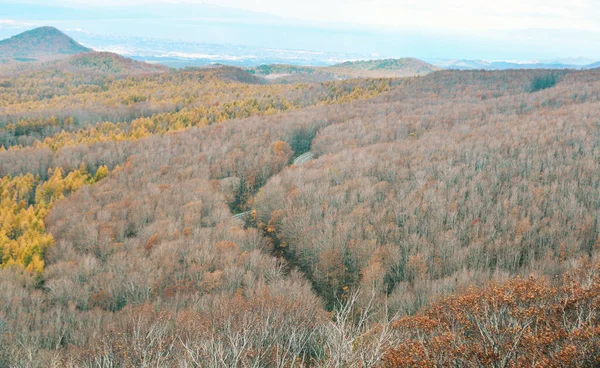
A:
[457,189]
[524,322]
[449,181]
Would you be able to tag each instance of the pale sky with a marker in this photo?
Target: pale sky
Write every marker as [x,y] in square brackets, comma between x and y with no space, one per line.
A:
[458,15]
[454,29]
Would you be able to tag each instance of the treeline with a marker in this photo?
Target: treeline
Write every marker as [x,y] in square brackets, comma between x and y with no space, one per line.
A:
[66,109]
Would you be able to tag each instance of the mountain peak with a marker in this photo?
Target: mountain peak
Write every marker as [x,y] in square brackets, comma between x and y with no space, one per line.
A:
[43,43]
[43,30]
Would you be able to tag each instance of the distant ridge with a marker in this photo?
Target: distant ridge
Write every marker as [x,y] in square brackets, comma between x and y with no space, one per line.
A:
[386,68]
[506,65]
[107,63]
[47,48]
[385,64]
[593,66]
[39,44]
[89,63]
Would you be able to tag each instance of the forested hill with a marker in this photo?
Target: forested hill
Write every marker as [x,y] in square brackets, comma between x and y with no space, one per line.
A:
[39,44]
[450,219]
[388,68]
[404,65]
[46,50]
[106,63]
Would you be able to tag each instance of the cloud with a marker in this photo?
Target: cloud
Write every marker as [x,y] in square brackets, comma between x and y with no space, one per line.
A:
[437,14]
[16,23]
[458,15]
[511,29]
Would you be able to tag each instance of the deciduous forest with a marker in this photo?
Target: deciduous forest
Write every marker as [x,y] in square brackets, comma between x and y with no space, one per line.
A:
[450,219]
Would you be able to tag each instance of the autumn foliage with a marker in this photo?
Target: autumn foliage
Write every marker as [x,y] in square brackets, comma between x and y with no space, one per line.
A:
[431,188]
[71,109]
[25,203]
[524,322]
[445,220]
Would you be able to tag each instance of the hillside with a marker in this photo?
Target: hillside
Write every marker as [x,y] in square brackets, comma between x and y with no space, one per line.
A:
[385,68]
[48,50]
[92,64]
[159,217]
[233,74]
[435,207]
[68,100]
[39,44]
[288,74]
[106,63]
[389,68]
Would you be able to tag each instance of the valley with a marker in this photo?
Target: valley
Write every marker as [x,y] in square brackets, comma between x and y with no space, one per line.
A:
[382,213]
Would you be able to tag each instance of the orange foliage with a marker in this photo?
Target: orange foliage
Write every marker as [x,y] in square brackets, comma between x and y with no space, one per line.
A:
[524,322]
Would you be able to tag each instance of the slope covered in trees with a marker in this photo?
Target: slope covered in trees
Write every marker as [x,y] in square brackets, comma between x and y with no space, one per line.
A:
[449,219]
[54,108]
[388,68]
[144,252]
[39,44]
[26,200]
[445,189]
[86,64]
[524,322]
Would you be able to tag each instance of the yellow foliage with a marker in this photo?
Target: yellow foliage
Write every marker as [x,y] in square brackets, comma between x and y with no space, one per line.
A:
[101,173]
[25,201]
[160,104]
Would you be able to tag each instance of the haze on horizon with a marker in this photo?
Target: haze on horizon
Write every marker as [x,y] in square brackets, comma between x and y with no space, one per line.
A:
[467,29]
[463,15]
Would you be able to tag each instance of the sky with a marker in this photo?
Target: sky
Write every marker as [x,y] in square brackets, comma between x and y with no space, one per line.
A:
[463,15]
[442,14]
[469,29]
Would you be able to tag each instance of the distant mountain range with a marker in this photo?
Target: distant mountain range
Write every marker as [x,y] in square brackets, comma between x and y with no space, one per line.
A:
[593,66]
[56,50]
[48,47]
[39,44]
[504,65]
